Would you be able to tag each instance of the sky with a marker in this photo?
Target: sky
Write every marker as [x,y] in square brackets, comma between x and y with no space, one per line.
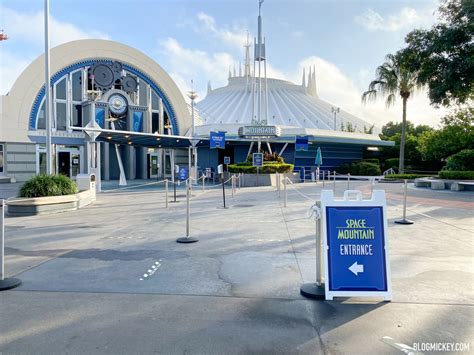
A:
[200,40]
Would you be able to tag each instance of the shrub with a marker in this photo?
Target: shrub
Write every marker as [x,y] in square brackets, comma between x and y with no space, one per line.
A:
[48,185]
[456,175]
[360,168]
[372,160]
[461,161]
[405,176]
[267,168]
[392,163]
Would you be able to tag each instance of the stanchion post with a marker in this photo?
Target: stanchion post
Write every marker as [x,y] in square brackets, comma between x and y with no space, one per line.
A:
[174,187]
[348,181]
[166,193]
[187,238]
[284,189]
[404,220]
[334,184]
[232,185]
[5,283]
[316,290]
[223,190]
[324,173]
[240,184]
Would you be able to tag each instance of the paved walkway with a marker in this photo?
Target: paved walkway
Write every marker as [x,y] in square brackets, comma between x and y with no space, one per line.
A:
[110,278]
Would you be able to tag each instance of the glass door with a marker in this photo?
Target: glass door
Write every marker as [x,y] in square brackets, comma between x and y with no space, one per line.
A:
[153,159]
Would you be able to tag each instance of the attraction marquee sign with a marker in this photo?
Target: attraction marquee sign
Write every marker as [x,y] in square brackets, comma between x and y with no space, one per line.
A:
[259,131]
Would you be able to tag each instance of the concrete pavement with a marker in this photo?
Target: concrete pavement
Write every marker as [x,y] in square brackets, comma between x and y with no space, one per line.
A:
[110,278]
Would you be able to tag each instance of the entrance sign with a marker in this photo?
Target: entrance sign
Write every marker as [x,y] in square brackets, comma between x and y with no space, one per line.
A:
[183,173]
[217,140]
[257,159]
[226,160]
[301,143]
[355,245]
[259,131]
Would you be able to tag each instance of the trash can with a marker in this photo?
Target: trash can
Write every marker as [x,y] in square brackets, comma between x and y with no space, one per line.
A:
[86,182]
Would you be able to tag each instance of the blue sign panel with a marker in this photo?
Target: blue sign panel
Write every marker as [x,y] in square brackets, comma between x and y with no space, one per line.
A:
[183,173]
[137,121]
[100,116]
[301,143]
[356,249]
[217,140]
[226,160]
[257,159]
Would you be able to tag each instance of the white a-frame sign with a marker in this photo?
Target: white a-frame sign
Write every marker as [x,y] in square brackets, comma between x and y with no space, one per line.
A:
[355,245]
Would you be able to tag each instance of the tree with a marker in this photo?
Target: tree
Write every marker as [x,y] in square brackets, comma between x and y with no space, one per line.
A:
[456,134]
[443,56]
[369,130]
[394,78]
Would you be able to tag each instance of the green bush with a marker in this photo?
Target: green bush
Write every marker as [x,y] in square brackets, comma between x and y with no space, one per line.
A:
[372,160]
[405,176]
[360,168]
[392,163]
[267,168]
[456,175]
[462,161]
[48,185]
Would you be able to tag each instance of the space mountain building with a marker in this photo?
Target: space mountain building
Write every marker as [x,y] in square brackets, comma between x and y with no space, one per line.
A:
[281,111]
[144,125]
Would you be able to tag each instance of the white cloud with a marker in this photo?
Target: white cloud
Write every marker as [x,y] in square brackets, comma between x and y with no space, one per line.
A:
[337,88]
[235,37]
[30,27]
[373,21]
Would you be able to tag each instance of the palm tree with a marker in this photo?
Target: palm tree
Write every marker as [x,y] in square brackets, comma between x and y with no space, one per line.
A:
[392,79]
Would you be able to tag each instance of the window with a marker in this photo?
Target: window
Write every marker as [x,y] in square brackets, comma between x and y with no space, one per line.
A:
[1,158]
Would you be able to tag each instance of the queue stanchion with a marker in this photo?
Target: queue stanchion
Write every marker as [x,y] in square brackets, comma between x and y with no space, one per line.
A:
[166,193]
[284,190]
[187,238]
[316,290]
[323,177]
[9,282]
[203,181]
[334,184]
[174,191]
[404,220]
[240,184]
[232,185]
[348,181]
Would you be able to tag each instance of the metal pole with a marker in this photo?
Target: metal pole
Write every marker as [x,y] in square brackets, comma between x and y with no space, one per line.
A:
[318,253]
[284,190]
[323,177]
[334,186]
[223,190]
[240,175]
[404,220]
[2,240]
[5,283]
[187,238]
[348,181]
[232,185]
[174,187]
[203,181]
[47,88]
[166,193]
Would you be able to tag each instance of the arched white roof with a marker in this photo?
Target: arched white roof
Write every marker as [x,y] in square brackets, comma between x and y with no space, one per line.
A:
[288,105]
[17,104]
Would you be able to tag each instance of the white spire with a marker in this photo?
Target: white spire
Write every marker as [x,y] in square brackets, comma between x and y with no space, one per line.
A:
[311,90]
[247,57]
[240,68]
[230,73]
[303,81]
[309,79]
[209,88]
[235,74]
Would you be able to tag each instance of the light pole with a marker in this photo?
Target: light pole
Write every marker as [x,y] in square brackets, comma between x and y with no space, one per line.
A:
[193,95]
[47,90]
[335,110]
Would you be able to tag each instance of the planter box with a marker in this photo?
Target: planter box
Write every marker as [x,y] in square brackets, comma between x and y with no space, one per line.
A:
[50,204]
[252,180]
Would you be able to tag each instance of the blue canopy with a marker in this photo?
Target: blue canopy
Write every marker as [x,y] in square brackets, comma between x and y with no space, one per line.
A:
[319,158]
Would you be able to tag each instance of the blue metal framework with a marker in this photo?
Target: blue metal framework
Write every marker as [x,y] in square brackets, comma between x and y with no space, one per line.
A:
[89,62]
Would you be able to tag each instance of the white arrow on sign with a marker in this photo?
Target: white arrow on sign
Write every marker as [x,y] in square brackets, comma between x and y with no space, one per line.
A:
[356,268]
